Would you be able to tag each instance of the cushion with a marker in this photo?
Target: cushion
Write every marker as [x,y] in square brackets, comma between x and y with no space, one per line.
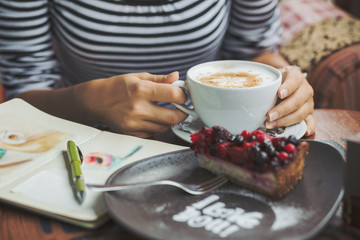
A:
[296,15]
[320,40]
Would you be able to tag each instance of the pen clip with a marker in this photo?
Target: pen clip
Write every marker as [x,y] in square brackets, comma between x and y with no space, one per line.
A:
[80,154]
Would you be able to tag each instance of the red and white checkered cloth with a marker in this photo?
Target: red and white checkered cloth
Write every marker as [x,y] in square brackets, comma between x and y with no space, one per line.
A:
[299,14]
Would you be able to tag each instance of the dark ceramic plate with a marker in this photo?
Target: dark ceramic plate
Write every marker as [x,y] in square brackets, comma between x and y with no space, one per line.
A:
[230,212]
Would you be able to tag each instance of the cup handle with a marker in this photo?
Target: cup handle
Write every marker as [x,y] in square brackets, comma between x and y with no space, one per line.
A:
[183,107]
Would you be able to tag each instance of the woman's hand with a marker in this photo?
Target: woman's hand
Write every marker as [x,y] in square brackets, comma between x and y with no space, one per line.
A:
[297,104]
[128,103]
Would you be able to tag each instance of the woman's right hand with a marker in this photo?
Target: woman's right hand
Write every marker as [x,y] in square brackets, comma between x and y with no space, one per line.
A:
[128,103]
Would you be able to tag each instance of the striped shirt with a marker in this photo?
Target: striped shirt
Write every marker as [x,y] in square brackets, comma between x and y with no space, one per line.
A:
[46,44]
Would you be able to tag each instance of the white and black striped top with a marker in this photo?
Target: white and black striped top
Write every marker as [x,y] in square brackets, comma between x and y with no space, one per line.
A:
[52,43]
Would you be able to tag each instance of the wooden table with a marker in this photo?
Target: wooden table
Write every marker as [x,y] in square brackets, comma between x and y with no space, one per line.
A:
[332,125]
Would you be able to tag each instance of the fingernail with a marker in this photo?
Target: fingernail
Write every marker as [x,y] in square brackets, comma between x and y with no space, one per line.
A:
[308,132]
[175,72]
[270,124]
[171,74]
[284,93]
[273,116]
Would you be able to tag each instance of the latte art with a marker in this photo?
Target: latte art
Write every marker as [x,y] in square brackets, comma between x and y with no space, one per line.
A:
[231,79]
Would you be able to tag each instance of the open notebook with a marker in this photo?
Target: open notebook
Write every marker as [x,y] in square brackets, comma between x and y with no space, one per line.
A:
[34,168]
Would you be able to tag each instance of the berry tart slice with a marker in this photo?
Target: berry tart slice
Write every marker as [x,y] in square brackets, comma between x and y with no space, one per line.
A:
[269,165]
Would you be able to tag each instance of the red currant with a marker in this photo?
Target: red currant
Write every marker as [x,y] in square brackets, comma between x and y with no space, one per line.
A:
[195,137]
[290,148]
[261,136]
[246,134]
[223,147]
[247,145]
[283,156]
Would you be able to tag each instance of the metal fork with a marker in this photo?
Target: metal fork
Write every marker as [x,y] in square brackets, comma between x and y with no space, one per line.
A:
[195,189]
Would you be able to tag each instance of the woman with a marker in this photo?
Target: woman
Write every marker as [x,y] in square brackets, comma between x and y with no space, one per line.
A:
[107,61]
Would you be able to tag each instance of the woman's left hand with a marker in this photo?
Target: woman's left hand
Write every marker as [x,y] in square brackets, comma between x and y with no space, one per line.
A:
[297,104]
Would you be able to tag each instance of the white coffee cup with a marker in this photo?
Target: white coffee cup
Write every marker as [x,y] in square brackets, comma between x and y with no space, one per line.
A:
[234,108]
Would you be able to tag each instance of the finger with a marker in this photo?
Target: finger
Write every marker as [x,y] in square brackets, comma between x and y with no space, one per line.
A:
[156,92]
[311,124]
[172,77]
[146,112]
[291,104]
[165,115]
[159,78]
[292,118]
[292,81]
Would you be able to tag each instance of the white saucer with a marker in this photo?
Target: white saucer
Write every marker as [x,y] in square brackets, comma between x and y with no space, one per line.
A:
[191,125]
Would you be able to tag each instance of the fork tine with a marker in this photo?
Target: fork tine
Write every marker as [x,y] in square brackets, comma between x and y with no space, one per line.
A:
[213,187]
[212,184]
[203,184]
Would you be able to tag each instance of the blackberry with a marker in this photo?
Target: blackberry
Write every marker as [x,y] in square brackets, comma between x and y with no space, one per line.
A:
[221,135]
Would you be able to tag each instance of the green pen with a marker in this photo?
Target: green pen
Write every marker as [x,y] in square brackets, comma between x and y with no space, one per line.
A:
[75,160]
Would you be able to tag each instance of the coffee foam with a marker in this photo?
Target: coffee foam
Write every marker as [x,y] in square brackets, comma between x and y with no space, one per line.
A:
[234,76]
[231,79]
